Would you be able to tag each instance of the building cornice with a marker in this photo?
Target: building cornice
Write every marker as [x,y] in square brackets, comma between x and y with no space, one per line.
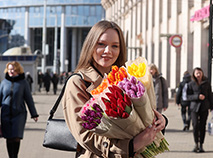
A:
[41,5]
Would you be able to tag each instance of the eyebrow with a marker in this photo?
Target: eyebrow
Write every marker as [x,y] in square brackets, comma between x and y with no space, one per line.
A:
[105,41]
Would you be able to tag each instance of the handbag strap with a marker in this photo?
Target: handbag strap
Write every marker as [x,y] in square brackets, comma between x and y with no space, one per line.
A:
[54,108]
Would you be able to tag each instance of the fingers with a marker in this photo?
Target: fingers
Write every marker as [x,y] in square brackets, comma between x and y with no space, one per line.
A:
[159,122]
[157,114]
[35,119]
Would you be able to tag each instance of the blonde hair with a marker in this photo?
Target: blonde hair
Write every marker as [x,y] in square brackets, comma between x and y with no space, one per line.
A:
[17,67]
[91,40]
[153,66]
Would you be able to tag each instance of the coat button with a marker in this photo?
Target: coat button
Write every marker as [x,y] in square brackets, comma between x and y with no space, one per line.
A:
[105,144]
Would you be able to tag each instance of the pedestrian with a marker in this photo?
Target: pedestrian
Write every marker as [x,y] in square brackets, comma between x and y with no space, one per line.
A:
[40,80]
[104,46]
[14,93]
[55,80]
[47,81]
[160,87]
[29,80]
[181,99]
[200,97]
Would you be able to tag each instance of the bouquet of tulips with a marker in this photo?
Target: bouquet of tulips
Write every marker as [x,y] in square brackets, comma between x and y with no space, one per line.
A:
[111,115]
[145,104]
[126,100]
[96,120]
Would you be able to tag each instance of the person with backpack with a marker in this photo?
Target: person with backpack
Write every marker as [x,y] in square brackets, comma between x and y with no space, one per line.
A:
[181,99]
[160,87]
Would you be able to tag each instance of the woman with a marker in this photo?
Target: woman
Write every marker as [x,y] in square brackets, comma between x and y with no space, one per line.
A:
[14,92]
[161,88]
[55,80]
[47,81]
[181,99]
[200,95]
[103,47]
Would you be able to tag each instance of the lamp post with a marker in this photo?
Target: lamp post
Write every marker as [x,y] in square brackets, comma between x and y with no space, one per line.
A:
[43,60]
[210,43]
[55,45]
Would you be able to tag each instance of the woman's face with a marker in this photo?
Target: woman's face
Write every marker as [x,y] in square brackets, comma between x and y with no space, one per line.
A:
[11,71]
[107,49]
[152,71]
[198,74]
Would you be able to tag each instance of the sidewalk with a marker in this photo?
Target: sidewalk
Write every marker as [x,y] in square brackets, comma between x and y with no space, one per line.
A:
[181,143]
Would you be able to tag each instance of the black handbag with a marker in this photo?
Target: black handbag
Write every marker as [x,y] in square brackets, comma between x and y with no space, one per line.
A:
[58,135]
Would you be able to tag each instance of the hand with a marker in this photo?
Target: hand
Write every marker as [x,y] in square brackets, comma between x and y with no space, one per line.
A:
[145,137]
[160,121]
[35,119]
[164,109]
[201,97]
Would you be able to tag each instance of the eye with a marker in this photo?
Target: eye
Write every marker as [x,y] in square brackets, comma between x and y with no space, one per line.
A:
[101,44]
[115,46]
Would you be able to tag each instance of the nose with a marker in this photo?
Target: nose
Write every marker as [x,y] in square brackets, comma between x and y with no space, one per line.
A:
[107,50]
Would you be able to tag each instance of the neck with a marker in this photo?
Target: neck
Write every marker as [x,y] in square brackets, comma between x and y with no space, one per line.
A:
[102,70]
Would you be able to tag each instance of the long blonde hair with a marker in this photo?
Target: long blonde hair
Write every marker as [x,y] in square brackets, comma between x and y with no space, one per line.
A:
[91,40]
[17,67]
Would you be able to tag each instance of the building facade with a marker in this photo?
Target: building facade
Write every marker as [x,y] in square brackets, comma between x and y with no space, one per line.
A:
[54,28]
[153,27]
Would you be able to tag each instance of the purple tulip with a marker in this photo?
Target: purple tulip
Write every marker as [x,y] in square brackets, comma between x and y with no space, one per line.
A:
[121,85]
[92,116]
[134,88]
[99,114]
[84,118]
[133,80]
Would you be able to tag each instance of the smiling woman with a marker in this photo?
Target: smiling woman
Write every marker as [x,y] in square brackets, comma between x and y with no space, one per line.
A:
[14,93]
[104,47]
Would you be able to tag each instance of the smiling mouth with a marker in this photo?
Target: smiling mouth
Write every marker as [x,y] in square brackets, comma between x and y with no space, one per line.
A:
[107,57]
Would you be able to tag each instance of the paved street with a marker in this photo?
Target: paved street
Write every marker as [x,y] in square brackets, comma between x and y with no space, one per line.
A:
[181,143]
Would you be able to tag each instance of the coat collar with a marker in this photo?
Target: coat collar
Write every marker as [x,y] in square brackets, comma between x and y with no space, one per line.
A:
[92,76]
[16,78]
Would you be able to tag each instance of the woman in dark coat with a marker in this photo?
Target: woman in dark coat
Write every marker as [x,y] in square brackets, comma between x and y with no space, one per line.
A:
[55,80]
[47,81]
[160,87]
[200,95]
[181,99]
[14,93]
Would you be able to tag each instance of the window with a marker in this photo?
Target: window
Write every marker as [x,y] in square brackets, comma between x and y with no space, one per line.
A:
[92,10]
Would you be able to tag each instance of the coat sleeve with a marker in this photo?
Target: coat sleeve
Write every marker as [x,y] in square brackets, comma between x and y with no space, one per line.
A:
[29,100]
[74,98]
[0,94]
[191,96]
[210,97]
[165,93]
[158,91]
[178,94]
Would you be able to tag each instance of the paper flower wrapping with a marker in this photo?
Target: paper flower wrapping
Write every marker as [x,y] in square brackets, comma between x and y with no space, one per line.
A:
[123,106]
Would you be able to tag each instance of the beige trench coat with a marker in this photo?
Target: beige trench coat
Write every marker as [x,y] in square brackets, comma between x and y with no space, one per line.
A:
[75,96]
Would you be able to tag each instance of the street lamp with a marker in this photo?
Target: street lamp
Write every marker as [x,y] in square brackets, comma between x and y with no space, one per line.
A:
[43,60]
[55,45]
